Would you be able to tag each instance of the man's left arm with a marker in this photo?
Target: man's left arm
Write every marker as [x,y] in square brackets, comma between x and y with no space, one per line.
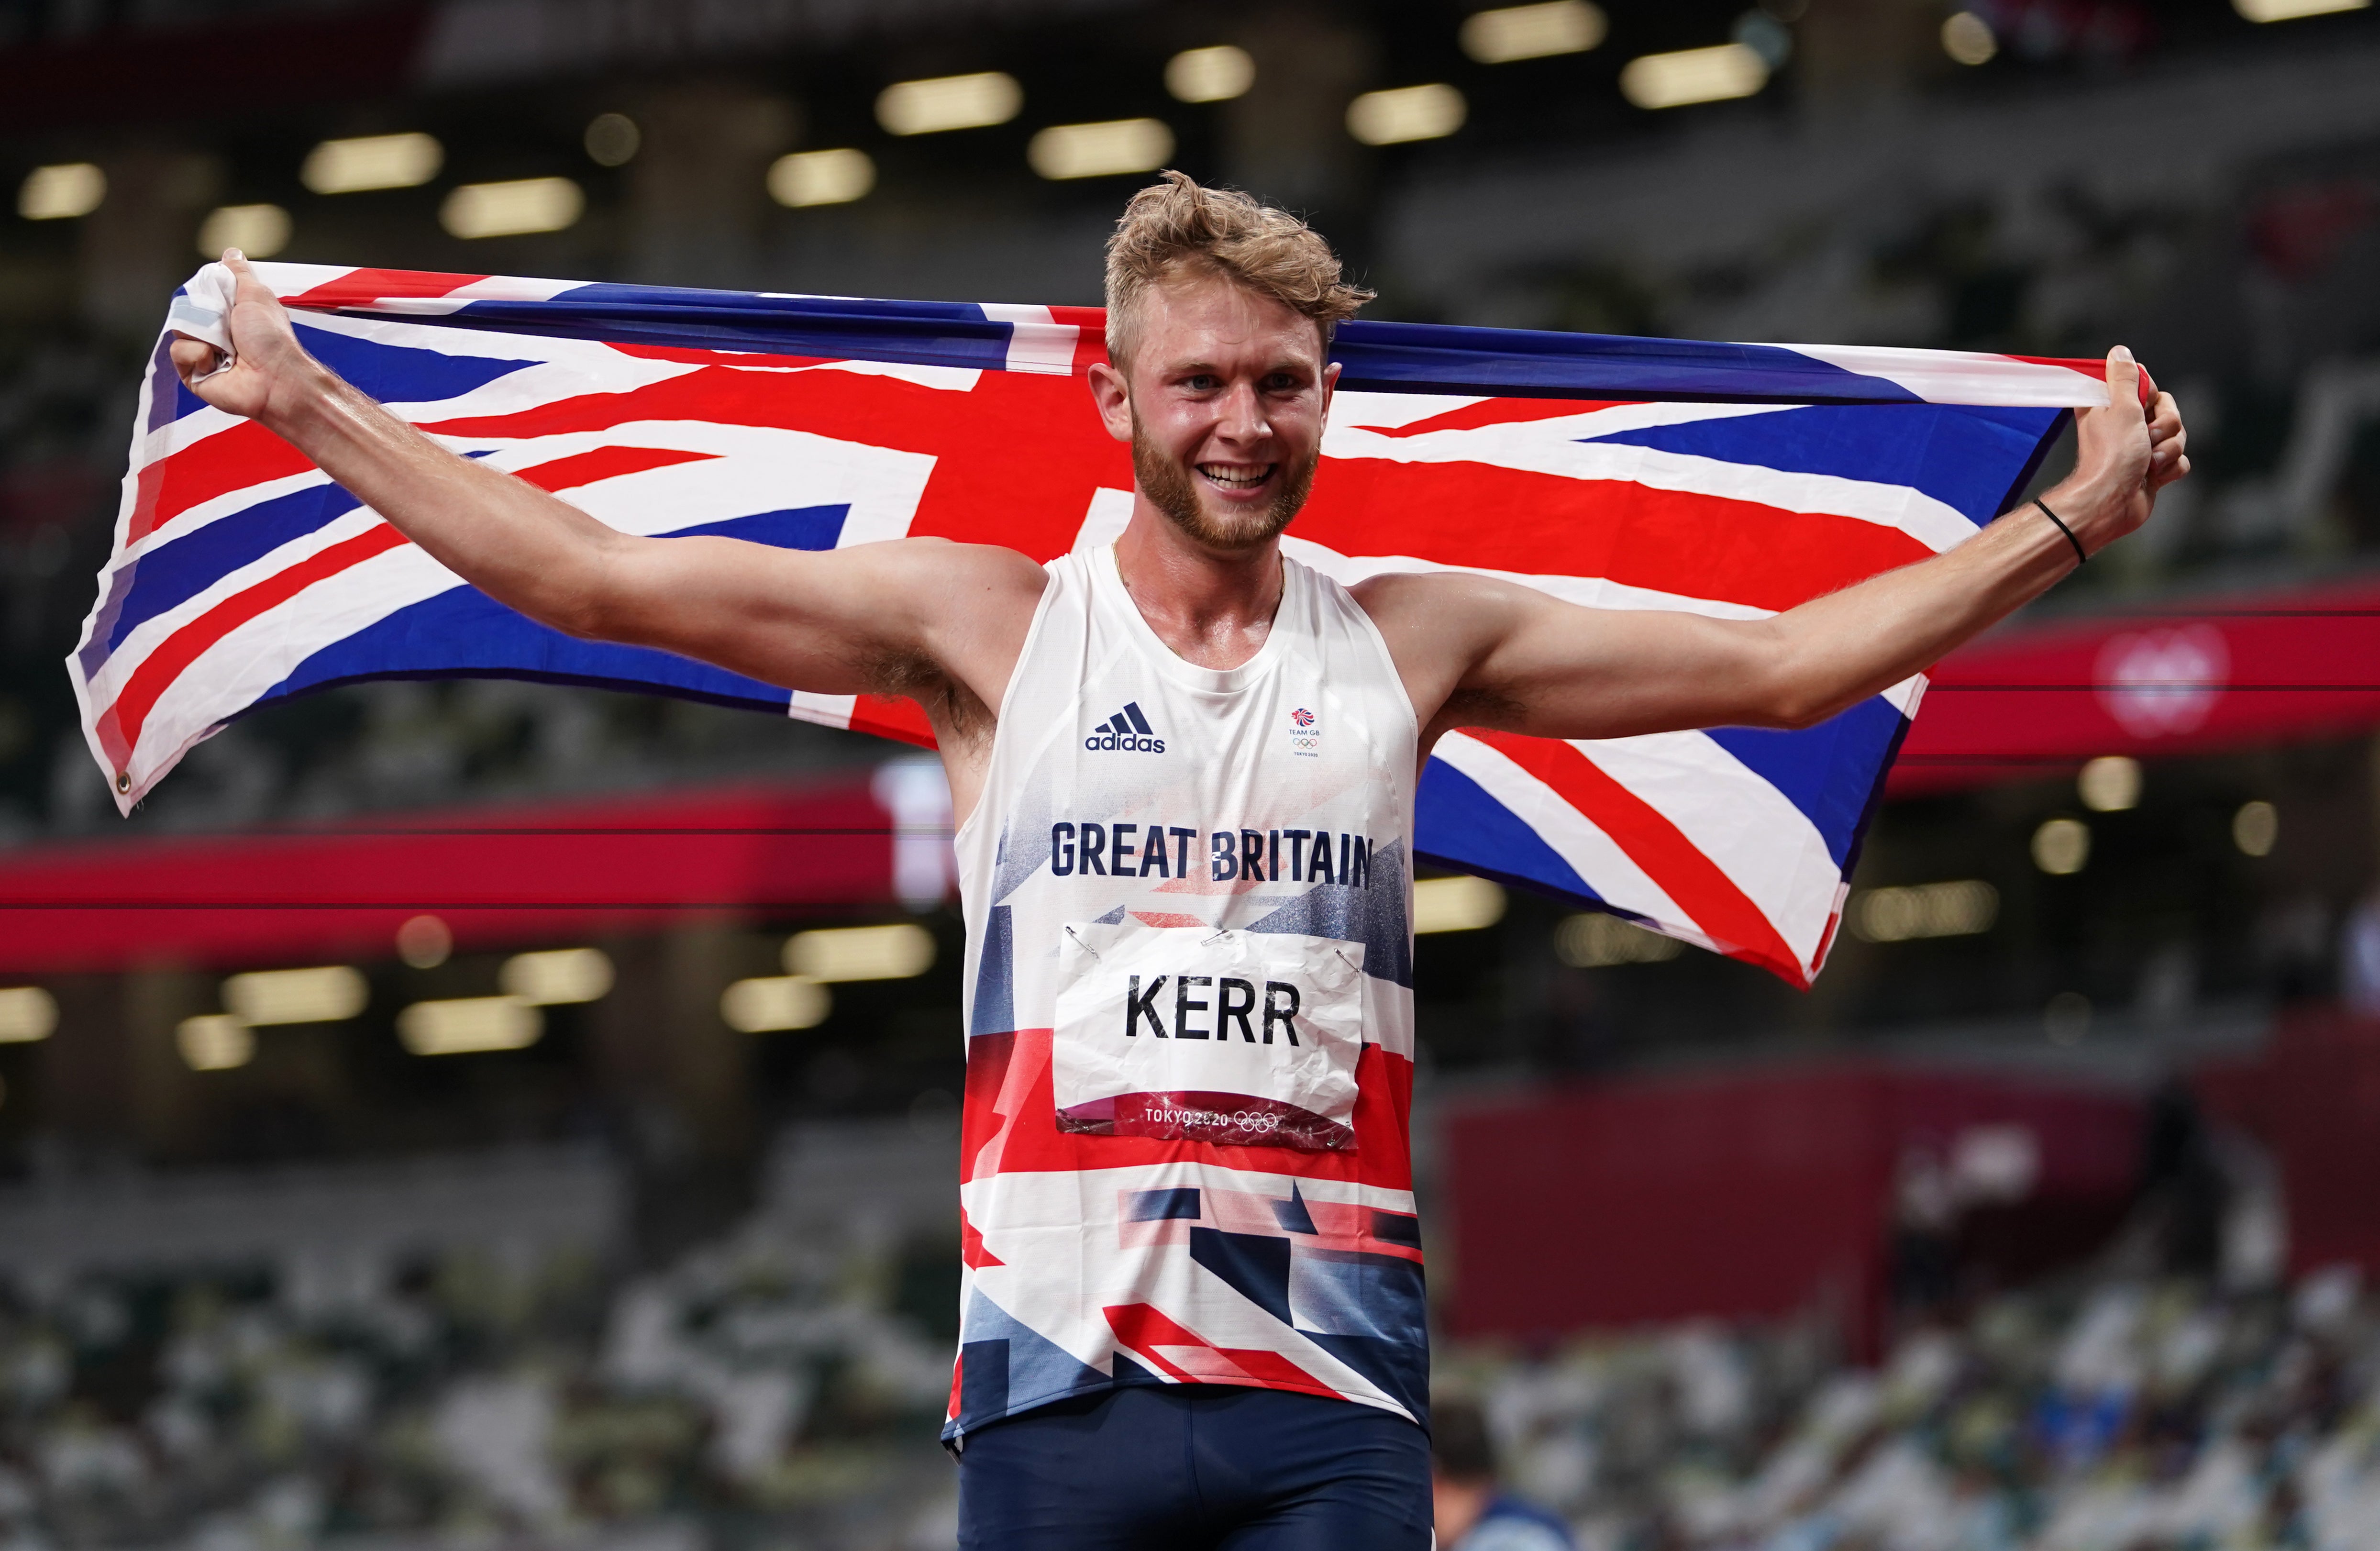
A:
[1474,651]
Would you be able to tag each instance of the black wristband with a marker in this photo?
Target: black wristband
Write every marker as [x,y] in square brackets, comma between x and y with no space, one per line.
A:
[2080,558]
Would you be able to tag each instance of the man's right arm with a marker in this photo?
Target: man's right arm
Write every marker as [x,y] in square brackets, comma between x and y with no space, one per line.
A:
[876,617]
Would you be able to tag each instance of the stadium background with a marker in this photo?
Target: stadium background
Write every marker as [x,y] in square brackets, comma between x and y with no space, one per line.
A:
[2045,1221]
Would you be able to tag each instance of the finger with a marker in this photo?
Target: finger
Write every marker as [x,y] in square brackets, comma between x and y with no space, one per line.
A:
[2123,379]
[193,358]
[248,286]
[2165,418]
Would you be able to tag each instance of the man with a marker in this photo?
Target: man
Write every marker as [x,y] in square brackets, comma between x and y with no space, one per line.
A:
[1184,771]
[1474,1511]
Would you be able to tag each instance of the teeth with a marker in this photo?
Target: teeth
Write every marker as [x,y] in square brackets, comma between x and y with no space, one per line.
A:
[1236,479]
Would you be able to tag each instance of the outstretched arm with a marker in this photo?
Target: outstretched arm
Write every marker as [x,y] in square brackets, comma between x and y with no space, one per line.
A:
[1479,652]
[876,617]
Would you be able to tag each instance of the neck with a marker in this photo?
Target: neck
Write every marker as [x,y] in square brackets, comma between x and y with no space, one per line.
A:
[1211,607]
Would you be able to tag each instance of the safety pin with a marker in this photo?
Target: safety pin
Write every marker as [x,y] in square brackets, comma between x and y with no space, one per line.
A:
[1081,944]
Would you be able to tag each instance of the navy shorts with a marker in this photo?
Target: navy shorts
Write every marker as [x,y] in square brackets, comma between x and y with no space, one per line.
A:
[1177,1466]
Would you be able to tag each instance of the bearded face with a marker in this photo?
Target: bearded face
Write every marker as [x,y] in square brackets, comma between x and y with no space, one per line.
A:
[1174,488]
[1223,400]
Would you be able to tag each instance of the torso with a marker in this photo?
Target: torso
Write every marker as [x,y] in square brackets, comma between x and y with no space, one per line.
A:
[1224,1193]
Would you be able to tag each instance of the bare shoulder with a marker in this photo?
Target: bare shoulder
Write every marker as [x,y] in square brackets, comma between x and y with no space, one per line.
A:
[947,561]
[1448,607]
[973,605]
[968,585]
[1439,626]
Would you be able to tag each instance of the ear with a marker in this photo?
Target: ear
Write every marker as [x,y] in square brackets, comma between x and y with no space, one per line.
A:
[1113,397]
[1329,386]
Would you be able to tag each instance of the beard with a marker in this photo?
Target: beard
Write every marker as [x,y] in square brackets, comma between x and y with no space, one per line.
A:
[1173,488]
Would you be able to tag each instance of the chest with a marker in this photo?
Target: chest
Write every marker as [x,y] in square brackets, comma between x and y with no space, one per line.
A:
[1320,732]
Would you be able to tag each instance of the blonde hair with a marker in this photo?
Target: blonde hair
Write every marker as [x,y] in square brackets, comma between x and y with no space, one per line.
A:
[1175,228]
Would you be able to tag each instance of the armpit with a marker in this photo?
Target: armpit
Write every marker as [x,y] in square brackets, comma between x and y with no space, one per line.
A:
[1480,707]
[957,713]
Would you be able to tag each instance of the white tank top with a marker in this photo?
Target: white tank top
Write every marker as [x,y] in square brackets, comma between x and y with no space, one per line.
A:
[1186,1154]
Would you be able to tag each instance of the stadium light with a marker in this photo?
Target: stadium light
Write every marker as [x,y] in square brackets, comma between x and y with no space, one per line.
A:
[469,1025]
[2061,846]
[1456,904]
[28,1015]
[821,177]
[2255,827]
[259,231]
[1593,940]
[328,995]
[61,192]
[370,161]
[1405,114]
[2289,10]
[769,1004]
[1511,32]
[215,1042]
[1968,39]
[1210,75]
[1121,145]
[514,209]
[1922,910]
[612,139]
[945,103]
[1694,74]
[893,952]
[2110,784]
[557,978]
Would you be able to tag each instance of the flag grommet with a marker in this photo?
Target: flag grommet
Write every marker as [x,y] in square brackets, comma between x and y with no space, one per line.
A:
[124,781]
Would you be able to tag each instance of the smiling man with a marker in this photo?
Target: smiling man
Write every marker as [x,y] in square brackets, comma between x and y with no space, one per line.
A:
[1184,767]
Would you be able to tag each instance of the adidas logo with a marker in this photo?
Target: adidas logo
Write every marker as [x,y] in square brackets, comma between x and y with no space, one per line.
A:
[1128,730]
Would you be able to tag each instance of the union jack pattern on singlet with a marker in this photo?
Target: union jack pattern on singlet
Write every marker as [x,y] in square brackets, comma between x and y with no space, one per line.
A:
[1186,1154]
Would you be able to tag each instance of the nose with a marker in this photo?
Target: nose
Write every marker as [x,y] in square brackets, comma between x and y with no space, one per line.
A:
[1240,416]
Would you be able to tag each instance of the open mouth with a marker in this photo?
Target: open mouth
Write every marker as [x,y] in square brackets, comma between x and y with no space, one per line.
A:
[1237,477]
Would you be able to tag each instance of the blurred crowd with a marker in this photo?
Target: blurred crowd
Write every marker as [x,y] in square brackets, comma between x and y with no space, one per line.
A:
[767,1392]
[2103,1414]
[761,1392]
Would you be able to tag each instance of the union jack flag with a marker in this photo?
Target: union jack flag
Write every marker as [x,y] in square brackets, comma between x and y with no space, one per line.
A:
[1733,481]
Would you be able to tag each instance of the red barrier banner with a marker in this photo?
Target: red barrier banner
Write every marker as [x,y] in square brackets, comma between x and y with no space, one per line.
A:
[2188,678]
[498,877]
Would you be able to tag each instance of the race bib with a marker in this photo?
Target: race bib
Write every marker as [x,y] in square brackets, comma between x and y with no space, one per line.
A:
[1202,1035]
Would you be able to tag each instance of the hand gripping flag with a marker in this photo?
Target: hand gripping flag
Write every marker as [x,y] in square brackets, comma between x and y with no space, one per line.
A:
[1733,481]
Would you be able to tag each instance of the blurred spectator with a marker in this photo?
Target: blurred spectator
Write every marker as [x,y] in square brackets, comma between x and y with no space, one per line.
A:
[1924,1231]
[1475,1512]
[2182,1188]
[2358,958]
